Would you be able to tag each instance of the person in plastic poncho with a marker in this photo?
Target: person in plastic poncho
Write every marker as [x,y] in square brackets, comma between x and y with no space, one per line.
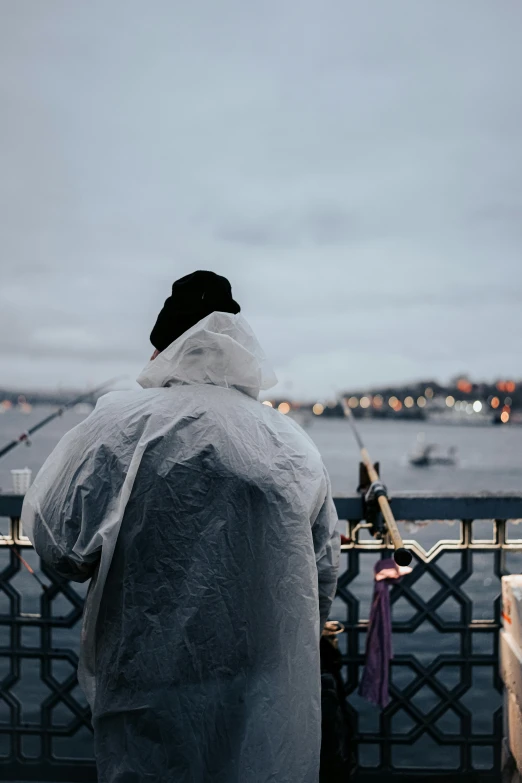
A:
[206,524]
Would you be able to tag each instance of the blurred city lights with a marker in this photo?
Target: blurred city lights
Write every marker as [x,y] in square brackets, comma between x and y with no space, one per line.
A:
[481,400]
[464,385]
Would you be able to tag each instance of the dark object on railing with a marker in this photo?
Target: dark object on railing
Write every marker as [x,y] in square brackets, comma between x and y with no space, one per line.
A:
[337,728]
[371,509]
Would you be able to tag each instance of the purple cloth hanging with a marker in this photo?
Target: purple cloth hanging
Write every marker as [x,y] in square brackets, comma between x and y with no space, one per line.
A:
[375,679]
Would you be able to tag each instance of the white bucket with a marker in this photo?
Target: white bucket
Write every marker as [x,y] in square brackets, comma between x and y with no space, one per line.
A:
[21,480]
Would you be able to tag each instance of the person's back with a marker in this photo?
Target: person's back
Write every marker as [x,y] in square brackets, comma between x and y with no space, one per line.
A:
[222,586]
[207,520]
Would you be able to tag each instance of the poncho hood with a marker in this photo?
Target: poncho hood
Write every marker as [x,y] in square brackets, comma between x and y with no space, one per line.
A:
[221,350]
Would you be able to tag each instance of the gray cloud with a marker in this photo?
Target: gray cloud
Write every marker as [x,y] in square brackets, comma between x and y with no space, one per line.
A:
[316,225]
[354,169]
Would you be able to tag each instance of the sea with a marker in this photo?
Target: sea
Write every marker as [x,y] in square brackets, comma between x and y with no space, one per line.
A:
[489,459]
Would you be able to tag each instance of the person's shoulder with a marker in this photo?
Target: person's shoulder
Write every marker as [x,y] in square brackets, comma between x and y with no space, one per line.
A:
[296,428]
[295,446]
[119,405]
[120,418]
[124,396]
[114,401]
[286,428]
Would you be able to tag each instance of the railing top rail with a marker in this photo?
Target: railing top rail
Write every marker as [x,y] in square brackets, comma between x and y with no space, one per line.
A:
[440,505]
[405,505]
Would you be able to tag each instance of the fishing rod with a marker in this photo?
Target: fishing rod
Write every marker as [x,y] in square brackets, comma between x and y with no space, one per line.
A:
[401,555]
[24,437]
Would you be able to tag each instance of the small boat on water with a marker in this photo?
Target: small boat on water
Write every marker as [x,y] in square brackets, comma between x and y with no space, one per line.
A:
[427,455]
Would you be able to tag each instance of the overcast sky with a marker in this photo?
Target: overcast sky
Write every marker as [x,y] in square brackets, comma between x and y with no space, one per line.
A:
[354,168]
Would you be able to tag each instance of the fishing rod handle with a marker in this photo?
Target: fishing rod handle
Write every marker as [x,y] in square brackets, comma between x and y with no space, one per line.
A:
[401,555]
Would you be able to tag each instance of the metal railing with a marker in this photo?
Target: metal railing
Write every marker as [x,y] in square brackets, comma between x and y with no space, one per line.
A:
[444,718]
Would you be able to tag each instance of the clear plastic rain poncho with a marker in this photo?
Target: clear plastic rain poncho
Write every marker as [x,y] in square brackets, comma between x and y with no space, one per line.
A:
[206,522]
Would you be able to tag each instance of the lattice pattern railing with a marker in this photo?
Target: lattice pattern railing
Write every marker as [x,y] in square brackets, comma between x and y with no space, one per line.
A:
[445,713]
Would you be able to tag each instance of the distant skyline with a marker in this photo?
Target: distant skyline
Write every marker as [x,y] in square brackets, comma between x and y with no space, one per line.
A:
[63,395]
[354,169]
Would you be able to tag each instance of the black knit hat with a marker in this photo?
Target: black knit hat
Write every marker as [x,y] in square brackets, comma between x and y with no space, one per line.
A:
[193,297]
